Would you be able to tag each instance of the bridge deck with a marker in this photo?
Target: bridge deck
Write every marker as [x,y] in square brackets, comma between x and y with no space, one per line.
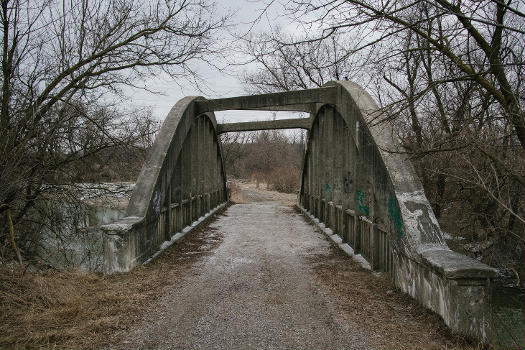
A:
[259,289]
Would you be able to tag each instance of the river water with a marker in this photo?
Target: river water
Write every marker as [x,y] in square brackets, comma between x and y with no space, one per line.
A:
[72,239]
[508,318]
[81,246]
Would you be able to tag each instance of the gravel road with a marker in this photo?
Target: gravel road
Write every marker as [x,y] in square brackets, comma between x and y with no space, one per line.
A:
[255,290]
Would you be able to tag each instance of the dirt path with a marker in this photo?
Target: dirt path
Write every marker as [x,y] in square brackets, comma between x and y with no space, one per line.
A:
[246,192]
[274,282]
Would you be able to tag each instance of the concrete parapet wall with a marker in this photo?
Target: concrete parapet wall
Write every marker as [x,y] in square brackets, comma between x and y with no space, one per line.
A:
[126,243]
[123,246]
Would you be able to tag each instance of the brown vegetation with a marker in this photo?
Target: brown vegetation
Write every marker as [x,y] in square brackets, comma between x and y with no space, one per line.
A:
[81,310]
[285,179]
[390,319]
[248,192]
[270,157]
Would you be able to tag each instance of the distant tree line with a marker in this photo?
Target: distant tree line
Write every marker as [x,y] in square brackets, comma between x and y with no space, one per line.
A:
[271,158]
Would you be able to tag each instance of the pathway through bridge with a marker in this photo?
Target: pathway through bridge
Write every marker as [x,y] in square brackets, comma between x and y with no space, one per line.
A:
[269,285]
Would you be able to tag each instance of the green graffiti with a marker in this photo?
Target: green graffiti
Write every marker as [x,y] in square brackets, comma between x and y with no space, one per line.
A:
[395,213]
[329,190]
[360,198]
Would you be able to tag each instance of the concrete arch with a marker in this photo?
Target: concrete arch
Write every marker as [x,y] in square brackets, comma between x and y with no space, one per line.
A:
[373,133]
[358,183]
[167,198]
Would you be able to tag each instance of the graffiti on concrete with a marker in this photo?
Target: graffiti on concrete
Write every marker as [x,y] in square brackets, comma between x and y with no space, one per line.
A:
[395,213]
[329,190]
[361,200]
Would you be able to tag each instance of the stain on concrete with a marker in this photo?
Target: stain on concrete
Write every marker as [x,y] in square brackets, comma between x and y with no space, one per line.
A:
[425,224]
[347,183]
[329,190]
[360,198]
[156,203]
[395,213]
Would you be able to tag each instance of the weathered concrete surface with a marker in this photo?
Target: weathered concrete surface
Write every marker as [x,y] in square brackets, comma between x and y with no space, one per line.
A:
[255,291]
[288,98]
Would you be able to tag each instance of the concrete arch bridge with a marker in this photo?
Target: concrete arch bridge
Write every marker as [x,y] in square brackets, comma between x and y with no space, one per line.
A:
[356,183]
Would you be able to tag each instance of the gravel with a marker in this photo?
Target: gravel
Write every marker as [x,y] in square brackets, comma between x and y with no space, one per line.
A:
[255,290]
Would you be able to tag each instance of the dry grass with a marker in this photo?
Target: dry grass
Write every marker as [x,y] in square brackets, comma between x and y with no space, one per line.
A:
[57,309]
[285,179]
[79,310]
[242,192]
[389,318]
[235,193]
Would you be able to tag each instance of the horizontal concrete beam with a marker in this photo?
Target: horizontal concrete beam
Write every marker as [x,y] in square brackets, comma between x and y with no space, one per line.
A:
[297,123]
[303,107]
[289,98]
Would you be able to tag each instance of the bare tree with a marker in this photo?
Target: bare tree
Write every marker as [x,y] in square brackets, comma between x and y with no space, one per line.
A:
[61,59]
[298,64]
[233,150]
[482,39]
[270,156]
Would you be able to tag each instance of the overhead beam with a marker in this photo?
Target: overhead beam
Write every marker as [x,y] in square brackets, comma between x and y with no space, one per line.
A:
[303,107]
[273,100]
[297,123]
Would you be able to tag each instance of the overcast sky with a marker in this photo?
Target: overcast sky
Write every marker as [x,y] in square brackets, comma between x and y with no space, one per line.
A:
[218,84]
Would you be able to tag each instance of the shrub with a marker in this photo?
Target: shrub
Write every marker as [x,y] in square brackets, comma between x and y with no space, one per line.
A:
[285,179]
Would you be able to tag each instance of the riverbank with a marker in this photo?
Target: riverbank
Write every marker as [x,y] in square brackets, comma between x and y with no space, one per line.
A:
[82,310]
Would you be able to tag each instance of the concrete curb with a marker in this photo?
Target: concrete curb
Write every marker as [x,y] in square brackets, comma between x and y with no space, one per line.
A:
[188,229]
[336,239]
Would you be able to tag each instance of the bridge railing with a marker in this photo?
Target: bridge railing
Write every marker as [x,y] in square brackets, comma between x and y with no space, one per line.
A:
[370,240]
[189,210]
